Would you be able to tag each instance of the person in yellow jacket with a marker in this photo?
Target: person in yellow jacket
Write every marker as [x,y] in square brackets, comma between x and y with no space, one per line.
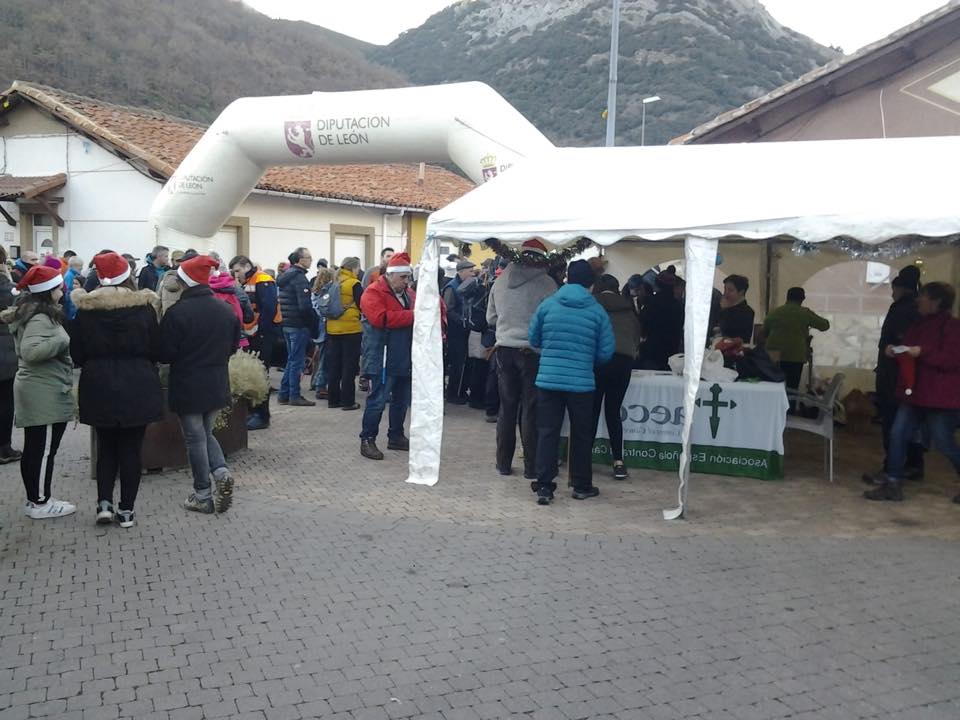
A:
[343,339]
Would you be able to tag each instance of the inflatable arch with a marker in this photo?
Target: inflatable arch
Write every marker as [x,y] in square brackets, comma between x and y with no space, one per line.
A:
[468,124]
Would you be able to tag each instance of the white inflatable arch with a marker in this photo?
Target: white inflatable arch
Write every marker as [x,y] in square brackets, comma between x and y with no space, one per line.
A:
[468,124]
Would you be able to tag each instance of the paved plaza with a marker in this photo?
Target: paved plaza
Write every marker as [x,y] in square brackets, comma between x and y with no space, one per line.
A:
[334,590]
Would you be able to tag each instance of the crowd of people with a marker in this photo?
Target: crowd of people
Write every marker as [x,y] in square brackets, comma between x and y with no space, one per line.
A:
[528,340]
[117,330]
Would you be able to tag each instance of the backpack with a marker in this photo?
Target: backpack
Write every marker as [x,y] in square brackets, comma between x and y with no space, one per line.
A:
[329,303]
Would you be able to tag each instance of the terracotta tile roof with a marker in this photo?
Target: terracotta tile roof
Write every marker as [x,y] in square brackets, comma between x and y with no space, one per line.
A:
[27,187]
[162,141]
[866,54]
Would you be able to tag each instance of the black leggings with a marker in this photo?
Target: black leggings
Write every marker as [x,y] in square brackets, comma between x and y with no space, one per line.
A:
[40,445]
[612,381]
[118,453]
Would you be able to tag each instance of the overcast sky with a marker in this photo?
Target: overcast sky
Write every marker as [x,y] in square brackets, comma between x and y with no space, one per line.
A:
[851,24]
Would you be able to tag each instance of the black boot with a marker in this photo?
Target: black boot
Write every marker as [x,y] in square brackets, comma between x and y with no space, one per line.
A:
[890,490]
[400,443]
[369,449]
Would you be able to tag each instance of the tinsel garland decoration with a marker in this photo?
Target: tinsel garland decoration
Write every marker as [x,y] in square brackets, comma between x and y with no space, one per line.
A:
[890,250]
[553,258]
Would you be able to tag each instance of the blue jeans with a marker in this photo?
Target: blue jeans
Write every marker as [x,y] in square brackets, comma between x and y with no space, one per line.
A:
[397,389]
[203,451]
[941,425]
[297,341]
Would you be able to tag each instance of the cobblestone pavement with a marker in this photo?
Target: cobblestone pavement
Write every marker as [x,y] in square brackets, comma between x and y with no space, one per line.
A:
[334,590]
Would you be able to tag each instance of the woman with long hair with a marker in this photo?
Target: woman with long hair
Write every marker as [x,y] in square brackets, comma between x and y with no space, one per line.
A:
[115,340]
[344,334]
[43,386]
[612,379]
[318,381]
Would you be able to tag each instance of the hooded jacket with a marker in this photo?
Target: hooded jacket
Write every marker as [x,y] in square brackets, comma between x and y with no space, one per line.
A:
[225,288]
[170,288]
[514,298]
[115,340]
[574,335]
[151,275]
[937,384]
[43,387]
[625,323]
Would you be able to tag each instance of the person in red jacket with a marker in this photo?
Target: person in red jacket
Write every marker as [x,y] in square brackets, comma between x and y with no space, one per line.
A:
[387,305]
[934,342]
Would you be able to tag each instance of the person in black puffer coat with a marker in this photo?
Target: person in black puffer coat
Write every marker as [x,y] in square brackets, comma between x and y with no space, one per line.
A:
[299,325]
[198,336]
[8,368]
[115,340]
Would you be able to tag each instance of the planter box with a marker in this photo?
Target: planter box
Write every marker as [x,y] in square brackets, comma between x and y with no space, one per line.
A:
[163,446]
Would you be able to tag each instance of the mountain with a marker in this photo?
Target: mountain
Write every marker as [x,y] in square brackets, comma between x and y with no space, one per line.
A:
[549,58]
[186,57]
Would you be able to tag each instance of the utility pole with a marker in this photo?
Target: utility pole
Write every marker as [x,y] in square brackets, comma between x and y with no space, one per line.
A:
[612,89]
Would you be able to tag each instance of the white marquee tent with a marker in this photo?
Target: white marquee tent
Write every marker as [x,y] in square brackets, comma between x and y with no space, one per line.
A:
[871,191]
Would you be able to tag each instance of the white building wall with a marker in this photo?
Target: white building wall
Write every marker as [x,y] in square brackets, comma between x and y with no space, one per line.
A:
[106,203]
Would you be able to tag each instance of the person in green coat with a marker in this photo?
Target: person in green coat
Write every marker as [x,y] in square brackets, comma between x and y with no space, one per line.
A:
[43,386]
[787,329]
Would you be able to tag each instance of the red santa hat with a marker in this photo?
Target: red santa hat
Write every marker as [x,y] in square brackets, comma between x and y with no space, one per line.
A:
[534,246]
[112,269]
[400,263]
[40,278]
[196,270]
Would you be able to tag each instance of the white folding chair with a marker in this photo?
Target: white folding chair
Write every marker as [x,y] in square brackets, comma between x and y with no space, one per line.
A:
[822,424]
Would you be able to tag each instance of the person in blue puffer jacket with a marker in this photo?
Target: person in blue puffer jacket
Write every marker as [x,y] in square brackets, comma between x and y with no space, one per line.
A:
[574,334]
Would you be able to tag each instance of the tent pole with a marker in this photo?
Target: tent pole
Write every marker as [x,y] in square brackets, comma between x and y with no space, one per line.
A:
[700,261]
[768,275]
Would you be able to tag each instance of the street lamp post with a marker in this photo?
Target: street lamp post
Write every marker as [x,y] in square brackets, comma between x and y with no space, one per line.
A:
[612,86]
[643,118]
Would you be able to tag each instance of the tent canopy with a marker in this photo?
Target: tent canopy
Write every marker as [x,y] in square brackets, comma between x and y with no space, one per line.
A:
[869,190]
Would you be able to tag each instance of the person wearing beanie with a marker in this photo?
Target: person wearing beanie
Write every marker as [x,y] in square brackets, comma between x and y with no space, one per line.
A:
[264,329]
[458,334]
[574,335]
[513,299]
[115,341]
[900,316]
[387,305]
[43,386]
[198,336]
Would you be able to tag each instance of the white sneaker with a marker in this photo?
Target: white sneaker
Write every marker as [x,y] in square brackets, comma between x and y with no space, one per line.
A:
[52,508]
